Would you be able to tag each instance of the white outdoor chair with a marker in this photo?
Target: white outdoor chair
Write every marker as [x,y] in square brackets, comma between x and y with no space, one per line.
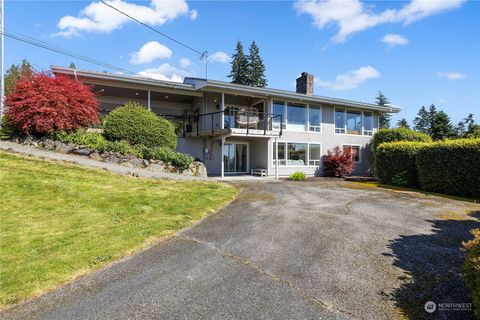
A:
[248,118]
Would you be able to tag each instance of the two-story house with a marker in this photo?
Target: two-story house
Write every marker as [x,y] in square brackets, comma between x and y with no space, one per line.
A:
[234,128]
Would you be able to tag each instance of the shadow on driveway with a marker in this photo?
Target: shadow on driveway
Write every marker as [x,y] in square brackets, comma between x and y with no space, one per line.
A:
[433,265]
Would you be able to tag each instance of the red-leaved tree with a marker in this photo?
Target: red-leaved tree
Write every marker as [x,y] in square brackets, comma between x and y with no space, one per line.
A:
[338,163]
[42,104]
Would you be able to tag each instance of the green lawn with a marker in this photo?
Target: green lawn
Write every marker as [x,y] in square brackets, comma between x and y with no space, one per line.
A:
[59,221]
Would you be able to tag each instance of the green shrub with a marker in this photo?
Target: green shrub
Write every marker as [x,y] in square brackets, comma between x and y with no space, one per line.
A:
[167,155]
[395,163]
[135,124]
[397,134]
[450,166]
[92,140]
[297,176]
[6,131]
[471,269]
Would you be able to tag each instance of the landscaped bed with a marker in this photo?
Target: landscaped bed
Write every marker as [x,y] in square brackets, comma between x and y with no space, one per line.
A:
[59,221]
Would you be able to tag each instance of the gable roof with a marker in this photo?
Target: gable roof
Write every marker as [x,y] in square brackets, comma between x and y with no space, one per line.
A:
[199,84]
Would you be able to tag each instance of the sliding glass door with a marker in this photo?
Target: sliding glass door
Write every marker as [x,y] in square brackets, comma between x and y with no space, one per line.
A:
[235,157]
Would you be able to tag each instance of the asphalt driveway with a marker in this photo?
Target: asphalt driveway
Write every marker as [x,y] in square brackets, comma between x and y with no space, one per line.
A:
[292,250]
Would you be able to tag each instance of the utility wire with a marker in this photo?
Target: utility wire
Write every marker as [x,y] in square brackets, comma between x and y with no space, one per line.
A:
[44,45]
[202,54]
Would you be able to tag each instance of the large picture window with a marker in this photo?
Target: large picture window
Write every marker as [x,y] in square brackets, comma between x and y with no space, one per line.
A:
[368,123]
[354,122]
[297,154]
[314,118]
[279,109]
[296,117]
[339,121]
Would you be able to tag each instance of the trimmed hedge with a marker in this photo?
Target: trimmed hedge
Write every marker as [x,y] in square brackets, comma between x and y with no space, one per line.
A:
[395,163]
[450,166]
[471,269]
[135,124]
[397,134]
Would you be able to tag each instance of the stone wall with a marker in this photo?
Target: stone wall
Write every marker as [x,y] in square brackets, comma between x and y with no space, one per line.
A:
[196,169]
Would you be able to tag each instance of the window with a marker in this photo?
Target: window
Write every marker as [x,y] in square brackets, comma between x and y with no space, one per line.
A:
[314,154]
[279,109]
[339,121]
[368,123]
[281,153]
[314,118]
[296,117]
[354,122]
[297,154]
[354,151]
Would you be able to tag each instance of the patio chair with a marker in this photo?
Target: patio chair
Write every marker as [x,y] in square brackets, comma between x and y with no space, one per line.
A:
[248,118]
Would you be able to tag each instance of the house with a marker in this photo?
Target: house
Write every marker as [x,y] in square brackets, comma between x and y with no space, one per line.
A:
[234,128]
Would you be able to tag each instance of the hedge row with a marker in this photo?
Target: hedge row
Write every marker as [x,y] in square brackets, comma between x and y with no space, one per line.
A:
[398,134]
[471,269]
[451,166]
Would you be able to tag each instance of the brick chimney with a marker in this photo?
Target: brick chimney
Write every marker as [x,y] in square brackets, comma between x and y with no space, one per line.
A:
[305,83]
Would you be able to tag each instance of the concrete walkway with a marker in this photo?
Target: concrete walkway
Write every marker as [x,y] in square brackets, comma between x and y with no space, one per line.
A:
[86,162]
[319,249]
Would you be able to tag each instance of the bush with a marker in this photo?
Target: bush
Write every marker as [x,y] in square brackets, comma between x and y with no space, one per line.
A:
[397,134]
[450,166]
[395,163]
[471,269]
[297,176]
[42,104]
[167,155]
[338,163]
[135,124]
[6,131]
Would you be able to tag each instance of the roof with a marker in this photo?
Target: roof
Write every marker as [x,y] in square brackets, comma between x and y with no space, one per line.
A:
[199,84]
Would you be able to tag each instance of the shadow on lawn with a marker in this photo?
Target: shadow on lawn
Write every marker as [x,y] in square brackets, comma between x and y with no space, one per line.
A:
[433,263]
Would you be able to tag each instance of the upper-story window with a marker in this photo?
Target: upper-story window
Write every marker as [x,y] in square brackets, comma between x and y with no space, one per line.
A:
[368,123]
[297,117]
[314,118]
[353,122]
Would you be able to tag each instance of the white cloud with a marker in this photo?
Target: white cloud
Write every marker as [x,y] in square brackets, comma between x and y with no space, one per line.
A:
[394,40]
[219,56]
[184,62]
[101,18]
[150,51]
[165,72]
[451,75]
[349,80]
[353,16]
[193,14]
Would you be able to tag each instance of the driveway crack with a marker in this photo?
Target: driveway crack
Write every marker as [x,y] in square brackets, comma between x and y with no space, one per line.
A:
[250,264]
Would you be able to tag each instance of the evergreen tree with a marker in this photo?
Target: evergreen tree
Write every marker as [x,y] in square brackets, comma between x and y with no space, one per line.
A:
[403,123]
[472,129]
[441,126]
[421,122]
[16,72]
[256,68]
[432,115]
[72,65]
[460,130]
[239,71]
[385,118]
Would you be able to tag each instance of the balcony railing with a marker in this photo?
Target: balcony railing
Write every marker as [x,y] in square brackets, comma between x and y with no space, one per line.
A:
[251,121]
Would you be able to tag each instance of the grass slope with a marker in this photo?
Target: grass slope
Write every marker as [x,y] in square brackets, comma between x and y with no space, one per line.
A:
[59,221]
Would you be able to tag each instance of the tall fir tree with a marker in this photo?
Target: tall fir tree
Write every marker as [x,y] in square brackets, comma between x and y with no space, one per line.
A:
[385,118]
[403,123]
[16,72]
[239,72]
[441,126]
[422,121]
[256,68]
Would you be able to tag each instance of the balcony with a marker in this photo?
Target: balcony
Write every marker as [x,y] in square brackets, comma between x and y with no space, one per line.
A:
[233,122]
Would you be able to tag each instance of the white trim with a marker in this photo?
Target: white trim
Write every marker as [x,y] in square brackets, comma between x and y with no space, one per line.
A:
[248,156]
[359,151]
[307,165]
[345,109]
[307,123]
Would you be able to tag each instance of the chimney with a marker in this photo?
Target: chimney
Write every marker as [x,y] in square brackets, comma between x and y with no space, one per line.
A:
[305,83]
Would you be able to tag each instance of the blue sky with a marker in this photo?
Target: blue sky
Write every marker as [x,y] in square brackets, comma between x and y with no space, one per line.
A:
[417,52]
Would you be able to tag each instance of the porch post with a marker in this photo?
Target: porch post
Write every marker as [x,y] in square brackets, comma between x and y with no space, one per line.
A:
[221,154]
[276,158]
[148,101]
[222,115]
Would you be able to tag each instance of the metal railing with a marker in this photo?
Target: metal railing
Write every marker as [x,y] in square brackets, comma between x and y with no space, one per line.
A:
[233,119]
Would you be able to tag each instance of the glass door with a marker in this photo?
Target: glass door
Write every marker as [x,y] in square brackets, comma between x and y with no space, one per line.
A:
[235,157]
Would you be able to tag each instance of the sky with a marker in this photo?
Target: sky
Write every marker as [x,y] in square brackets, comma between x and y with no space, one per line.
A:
[418,52]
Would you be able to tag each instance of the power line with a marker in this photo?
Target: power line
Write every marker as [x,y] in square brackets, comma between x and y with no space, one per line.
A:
[44,45]
[202,54]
